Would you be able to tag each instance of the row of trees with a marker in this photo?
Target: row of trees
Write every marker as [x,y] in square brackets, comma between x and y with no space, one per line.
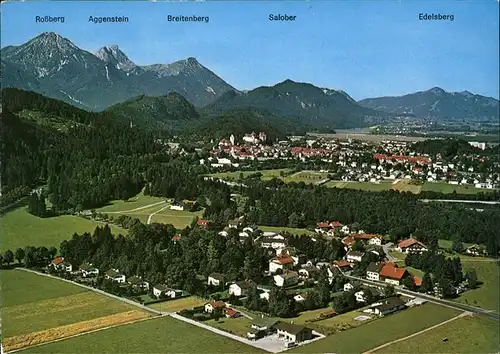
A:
[30,256]
[439,270]
[273,203]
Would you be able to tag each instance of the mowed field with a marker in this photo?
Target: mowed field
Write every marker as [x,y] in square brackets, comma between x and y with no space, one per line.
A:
[180,219]
[266,174]
[447,188]
[465,335]
[380,331]
[37,309]
[21,229]
[139,201]
[178,305]
[487,295]
[291,230]
[159,335]
[142,206]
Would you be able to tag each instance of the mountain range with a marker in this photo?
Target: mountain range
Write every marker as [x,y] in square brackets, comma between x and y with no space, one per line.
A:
[53,65]
[161,96]
[436,103]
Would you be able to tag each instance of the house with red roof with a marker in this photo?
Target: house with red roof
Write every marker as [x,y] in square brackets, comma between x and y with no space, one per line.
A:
[283,262]
[371,239]
[230,313]
[214,305]
[411,245]
[343,265]
[176,238]
[202,223]
[348,242]
[60,264]
[391,274]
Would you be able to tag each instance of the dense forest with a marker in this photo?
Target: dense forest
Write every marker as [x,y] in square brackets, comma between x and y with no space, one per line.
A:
[96,160]
[449,148]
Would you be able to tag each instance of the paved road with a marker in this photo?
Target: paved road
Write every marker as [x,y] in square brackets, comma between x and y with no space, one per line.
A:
[386,247]
[456,305]
[417,333]
[256,344]
[130,302]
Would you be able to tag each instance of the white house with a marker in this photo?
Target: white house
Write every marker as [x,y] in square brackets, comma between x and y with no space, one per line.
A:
[286,279]
[138,283]
[214,305]
[299,298]
[177,207]
[241,288]
[411,245]
[60,264]
[373,270]
[88,270]
[308,271]
[350,286]
[283,262]
[276,241]
[293,333]
[115,275]
[216,279]
[355,256]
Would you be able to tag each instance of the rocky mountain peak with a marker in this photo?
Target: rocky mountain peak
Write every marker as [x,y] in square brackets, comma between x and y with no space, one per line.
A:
[113,55]
[437,90]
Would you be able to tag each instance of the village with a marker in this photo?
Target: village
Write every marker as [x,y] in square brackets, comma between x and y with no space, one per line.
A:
[377,291]
[359,161]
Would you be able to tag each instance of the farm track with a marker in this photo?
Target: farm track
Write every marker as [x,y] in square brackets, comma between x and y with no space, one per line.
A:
[136,209]
[418,333]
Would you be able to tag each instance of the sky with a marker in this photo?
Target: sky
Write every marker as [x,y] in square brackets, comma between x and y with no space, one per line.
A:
[366,48]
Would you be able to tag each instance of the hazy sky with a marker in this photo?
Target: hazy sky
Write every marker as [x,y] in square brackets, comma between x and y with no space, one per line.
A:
[367,48]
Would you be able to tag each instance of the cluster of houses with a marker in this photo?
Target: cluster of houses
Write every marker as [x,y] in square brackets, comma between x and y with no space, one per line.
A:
[87,270]
[397,162]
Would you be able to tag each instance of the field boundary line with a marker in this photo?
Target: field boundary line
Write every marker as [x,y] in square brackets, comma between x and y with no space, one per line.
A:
[82,334]
[154,213]
[99,291]
[463,314]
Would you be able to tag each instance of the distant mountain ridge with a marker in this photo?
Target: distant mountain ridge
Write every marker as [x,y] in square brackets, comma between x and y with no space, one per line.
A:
[53,65]
[436,103]
[313,105]
[169,112]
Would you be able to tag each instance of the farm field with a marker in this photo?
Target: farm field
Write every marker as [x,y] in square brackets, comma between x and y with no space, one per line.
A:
[21,229]
[291,230]
[337,322]
[159,335]
[366,186]
[487,295]
[239,326]
[465,335]
[369,336]
[306,177]
[447,244]
[178,305]
[180,219]
[445,187]
[266,174]
[139,201]
[30,316]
